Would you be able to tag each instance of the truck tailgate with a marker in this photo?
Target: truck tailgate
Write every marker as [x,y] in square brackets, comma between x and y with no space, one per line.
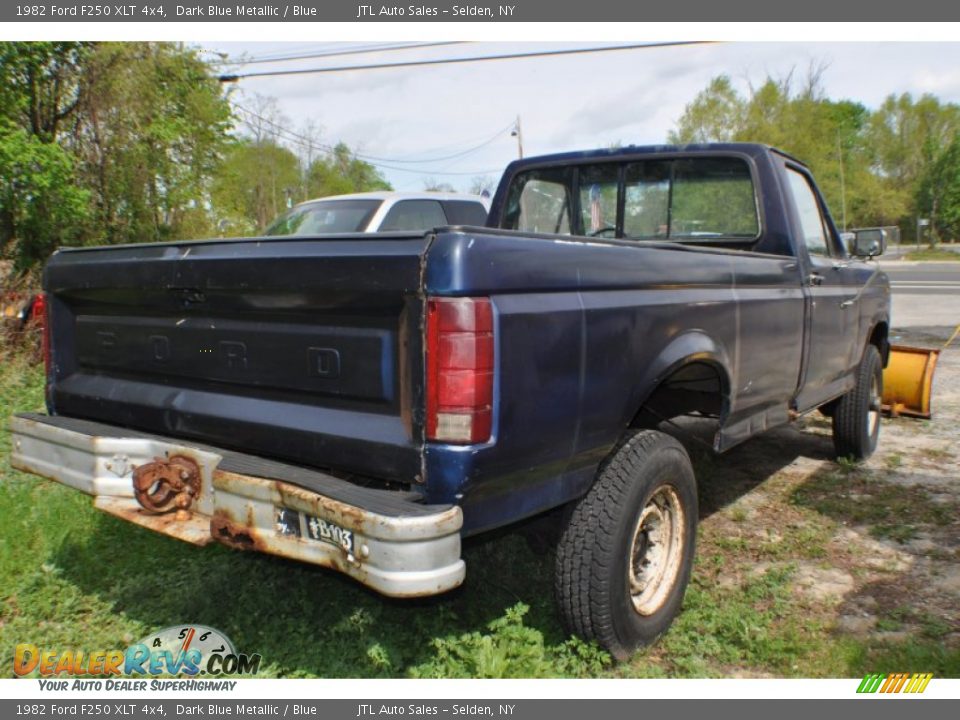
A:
[303,349]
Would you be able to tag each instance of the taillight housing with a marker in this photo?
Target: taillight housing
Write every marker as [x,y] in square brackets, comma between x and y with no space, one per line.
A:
[459,370]
[40,318]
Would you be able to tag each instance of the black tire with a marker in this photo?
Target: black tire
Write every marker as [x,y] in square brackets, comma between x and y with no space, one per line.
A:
[604,542]
[856,418]
[828,409]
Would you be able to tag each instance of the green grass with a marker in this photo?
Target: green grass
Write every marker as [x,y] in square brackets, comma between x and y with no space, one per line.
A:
[932,254]
[847,465]
[71,577]
[751,625]
[892,511]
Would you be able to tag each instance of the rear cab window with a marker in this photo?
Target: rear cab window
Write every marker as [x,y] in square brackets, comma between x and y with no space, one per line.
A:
[691,199]
[599,187]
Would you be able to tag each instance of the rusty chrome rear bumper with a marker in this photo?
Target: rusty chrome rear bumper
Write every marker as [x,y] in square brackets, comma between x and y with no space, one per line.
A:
[398,551]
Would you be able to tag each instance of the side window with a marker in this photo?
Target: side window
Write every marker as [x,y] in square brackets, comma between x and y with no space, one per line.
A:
[539,201]
[414,215]
[598,199]
[811,221]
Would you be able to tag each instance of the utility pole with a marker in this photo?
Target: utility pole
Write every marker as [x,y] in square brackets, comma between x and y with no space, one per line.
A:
[518,134]
[843,189]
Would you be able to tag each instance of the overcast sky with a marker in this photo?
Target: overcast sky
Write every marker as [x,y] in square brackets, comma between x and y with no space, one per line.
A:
[565,103]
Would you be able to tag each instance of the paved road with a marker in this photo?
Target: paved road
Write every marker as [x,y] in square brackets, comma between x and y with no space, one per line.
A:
[924,278]
[924,293]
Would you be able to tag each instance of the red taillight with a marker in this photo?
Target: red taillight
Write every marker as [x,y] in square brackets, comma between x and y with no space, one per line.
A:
[459,369]
[40,317]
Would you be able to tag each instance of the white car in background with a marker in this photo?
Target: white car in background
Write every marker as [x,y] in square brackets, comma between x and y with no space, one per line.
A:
[373,212]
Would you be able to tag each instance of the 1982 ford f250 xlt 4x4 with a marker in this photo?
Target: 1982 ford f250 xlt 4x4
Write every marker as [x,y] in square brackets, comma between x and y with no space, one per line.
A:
[362,402]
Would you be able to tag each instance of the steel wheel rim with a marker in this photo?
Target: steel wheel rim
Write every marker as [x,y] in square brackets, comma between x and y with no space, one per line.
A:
[656,551]
[874,408]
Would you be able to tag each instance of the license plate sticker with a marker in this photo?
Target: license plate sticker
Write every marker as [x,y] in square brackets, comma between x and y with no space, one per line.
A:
[325,531]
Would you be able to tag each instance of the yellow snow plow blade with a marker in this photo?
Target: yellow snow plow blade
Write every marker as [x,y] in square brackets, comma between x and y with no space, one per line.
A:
[908,380]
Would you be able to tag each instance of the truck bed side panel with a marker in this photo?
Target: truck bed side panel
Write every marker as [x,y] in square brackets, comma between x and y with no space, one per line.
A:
[582,328]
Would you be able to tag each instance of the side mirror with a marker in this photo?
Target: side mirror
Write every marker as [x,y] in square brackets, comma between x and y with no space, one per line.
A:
[866,242]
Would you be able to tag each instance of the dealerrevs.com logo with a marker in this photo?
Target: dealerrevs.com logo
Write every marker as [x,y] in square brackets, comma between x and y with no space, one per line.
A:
[887,683]
[189,650]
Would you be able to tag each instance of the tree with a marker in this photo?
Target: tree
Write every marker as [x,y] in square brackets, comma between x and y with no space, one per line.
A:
[40,84]
[341,172]
[431,184]
[309,149]
[938,194]
[133,142]
[481,184]
[41,205]
[907,135]
[252,185]
[714,115]
[911,142]
[856,165]
[258,178]
[152,129]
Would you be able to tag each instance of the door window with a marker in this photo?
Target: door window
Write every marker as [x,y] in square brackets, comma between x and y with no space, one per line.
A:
[811,221]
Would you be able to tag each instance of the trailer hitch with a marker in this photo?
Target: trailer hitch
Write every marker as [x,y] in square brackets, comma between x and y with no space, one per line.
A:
[167,484]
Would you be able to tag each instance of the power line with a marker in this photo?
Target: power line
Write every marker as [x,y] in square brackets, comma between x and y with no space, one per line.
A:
[460,154]
[502,131]
[454,156]
[364,49]
[443,172]
[233,77]
[309,144]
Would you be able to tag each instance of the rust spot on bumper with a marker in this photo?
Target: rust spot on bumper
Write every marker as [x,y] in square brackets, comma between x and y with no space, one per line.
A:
[225,530]
[192,530]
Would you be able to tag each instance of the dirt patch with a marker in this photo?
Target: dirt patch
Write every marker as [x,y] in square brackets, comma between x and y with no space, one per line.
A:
[873,548]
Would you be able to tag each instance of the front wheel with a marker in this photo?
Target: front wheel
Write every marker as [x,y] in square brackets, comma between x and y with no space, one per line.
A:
[856,417]
[624,559]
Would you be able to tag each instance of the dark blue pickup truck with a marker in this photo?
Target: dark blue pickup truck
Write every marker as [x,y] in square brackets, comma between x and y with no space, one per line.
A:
[363,402]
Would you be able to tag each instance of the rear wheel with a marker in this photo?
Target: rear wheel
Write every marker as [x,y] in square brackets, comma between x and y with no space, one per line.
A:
[856,417]
[624,559]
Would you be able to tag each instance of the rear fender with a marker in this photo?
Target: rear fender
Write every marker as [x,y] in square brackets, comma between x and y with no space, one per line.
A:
[686,348]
